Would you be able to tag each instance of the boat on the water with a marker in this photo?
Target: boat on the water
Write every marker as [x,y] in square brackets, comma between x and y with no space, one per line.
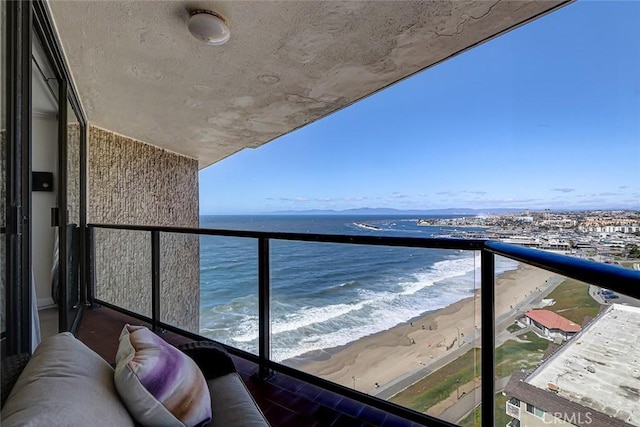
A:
[367,226]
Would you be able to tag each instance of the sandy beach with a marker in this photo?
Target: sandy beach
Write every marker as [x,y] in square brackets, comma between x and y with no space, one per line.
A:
[387,355]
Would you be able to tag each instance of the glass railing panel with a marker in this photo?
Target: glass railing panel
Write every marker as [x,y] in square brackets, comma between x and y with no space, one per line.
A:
[517,287]
[396,323]
[180,280]
[229,291]
[123,269]
[566,351]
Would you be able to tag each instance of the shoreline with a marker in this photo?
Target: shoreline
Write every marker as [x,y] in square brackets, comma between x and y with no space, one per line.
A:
[381,358]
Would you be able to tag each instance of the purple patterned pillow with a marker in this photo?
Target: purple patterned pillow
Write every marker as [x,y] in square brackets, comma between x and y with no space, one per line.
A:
[159,384]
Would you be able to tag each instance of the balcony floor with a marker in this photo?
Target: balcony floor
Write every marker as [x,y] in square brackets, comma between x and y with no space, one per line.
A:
[284,400]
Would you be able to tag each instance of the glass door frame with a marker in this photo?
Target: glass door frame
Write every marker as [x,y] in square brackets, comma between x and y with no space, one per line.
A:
[18,178]
[69,312]
[21,18]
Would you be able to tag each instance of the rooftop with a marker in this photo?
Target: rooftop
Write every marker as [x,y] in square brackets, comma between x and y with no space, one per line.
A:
[600,367]
[552,320]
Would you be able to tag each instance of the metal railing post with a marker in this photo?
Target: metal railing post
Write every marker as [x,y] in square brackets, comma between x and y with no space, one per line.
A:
[91,266]
[264,310]
[487,316]
[84,265]
[155,279]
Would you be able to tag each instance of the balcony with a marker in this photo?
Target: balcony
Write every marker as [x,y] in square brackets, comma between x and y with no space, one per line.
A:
[514,423]
[513,408]
[291,393]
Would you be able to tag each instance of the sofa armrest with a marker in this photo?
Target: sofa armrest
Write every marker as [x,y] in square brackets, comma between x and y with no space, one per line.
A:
[232,404]
[10,370]
[65,383]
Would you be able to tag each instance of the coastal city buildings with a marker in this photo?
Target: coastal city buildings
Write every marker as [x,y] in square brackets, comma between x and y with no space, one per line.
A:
[593,380]
[598,235]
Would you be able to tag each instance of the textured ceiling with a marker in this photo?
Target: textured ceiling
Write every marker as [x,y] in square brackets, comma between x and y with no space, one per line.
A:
[140,73]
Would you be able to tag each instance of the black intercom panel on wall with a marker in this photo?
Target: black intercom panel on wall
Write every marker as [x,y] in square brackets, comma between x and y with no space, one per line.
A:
[42,181]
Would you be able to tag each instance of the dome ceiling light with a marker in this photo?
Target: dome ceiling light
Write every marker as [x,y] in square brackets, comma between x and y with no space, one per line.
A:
[209,27]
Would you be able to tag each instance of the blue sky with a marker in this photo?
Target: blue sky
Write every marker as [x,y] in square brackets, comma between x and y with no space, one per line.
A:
[546,116]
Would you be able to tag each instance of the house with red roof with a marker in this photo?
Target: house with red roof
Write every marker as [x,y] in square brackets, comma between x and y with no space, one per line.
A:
[550,324]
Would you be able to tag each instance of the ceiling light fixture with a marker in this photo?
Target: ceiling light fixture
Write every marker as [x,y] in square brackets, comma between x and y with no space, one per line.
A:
[209,27]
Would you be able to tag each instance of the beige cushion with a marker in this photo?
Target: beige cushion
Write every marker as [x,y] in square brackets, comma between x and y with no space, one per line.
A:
[65,384]
[232,405]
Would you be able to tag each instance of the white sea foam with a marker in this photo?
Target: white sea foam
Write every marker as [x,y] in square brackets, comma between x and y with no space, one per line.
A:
[309,316]
[343,284]
[458,277]
[214,330]
[374,312]
[441,270]
[316,328]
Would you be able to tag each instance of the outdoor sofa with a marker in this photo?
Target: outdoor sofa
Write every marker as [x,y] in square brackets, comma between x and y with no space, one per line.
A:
[66,383]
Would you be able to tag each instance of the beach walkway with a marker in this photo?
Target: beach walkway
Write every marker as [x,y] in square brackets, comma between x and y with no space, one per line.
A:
[468,402]
[394,387]
[390,389]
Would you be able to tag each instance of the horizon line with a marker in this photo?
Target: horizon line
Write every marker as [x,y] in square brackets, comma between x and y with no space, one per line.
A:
[371,211]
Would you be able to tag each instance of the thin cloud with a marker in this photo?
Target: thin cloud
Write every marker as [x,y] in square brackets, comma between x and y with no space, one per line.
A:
[474,192]
[398,195]
[565,190]
[319,199]
[290,199]
[497,203]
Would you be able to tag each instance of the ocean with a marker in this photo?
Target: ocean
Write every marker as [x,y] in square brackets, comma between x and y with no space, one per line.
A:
[326,295]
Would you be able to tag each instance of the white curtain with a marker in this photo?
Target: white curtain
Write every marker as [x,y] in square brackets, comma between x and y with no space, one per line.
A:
[35,319]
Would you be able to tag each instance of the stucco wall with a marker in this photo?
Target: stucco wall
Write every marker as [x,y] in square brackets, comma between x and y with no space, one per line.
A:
[131,182]
[73,172]
[529,420]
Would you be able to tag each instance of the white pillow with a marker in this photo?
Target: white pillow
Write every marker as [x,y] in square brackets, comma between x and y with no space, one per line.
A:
[160,385]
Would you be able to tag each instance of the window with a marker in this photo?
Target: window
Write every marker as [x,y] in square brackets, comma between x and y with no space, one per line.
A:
[535,411]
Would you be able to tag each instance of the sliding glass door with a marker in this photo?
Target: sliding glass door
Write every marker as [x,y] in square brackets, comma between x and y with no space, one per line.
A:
[42,158]
[63,259]
[16,207]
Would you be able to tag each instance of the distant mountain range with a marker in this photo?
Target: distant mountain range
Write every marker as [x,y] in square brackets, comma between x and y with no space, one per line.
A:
[391,211]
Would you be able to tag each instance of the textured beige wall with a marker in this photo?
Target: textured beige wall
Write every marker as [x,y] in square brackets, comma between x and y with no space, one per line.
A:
[134,183]
[73,172]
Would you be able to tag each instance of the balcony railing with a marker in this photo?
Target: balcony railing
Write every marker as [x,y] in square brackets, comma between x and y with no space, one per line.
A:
[513,408]
[618,279]
[514,423]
